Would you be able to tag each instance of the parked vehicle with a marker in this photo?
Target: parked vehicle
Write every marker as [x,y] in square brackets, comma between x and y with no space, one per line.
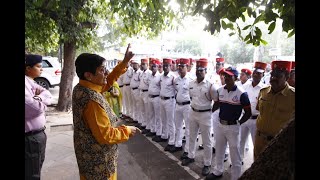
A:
[51,74]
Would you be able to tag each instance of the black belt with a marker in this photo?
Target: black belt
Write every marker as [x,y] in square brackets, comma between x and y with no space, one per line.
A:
[126,84]
[134,88]
[183,103]
[144,90]
[34,131]
[165,98]
[121,86]
[153,96]
[226,122]
[269,138]
[254,117]
[200,110]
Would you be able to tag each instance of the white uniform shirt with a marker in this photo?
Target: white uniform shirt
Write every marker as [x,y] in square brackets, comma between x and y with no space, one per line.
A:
[182,87]
[128,75]
[214,78]
[166,83]
[154,84]
[202,94]
[239,83]
[120,80]
[144,76]
[135,80]
[253,93]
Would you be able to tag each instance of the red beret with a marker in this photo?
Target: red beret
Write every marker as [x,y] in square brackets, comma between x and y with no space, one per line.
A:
[167,61]
[222,70]
[220,60]
[260,66]
[178,61]
[144,60]
[184,61]
[173,61]
[247,71]
[202,62]
[155,61]
[283,65]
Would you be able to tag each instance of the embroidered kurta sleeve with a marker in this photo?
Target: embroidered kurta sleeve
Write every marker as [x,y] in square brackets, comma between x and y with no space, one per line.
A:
[100,125]
[114,75]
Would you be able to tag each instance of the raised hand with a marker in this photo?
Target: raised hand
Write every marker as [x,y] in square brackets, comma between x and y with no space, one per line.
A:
[128,55]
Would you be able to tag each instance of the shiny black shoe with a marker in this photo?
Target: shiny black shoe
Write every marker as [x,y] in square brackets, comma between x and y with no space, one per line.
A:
[156,138]
[175,149]
[205,170]
[187,161]
[168,147]
[226,157]
[201,147]
[212,177]
[161,140]
[184,156]
[145,131]
[241,163]
[150,134]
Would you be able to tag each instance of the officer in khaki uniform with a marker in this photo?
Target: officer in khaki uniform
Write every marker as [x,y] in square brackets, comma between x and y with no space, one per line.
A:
[276,104]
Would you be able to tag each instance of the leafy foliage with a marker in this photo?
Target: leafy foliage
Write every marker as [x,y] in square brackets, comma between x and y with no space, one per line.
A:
[227,14]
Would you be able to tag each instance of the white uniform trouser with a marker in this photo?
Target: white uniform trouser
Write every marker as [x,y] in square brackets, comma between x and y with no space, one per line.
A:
[167,119]
[215,123]
[127,110]
[143,108]
[122,107]
[182,114]
[137,105]
[154,115]
[205,134]
[230,134]
[248,127]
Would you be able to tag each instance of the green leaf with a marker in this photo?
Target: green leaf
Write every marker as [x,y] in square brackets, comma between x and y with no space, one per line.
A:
[272,27]
[263,42]
[291,33]
[224,25]
[231,34]
[246,27]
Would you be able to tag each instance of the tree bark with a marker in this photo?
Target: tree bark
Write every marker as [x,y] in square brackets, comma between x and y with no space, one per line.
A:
[67,76]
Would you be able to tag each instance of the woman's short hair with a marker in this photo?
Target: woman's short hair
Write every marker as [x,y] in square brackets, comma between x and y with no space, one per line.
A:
[87,62]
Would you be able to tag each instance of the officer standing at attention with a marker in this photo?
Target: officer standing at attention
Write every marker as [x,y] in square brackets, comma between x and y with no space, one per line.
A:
[202,94]
[127,98]
[135,93]
[231,101]
[276,104]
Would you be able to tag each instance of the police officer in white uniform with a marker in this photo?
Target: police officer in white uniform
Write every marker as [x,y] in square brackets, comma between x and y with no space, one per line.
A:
[181,85]
[154,123]
[167,103]
[134,85]
[253,90]
[143,87]
[127,98]
[231,101]
[202,94]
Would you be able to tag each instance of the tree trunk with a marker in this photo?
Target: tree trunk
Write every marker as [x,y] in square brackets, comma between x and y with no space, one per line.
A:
[67,75]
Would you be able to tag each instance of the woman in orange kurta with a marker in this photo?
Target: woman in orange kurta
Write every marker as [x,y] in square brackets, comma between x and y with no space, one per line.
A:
[95,134]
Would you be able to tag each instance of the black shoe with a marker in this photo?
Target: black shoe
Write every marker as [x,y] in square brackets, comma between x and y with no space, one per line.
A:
[145,131]
[213,150]
[212,177]
[175,149]
[187,161]
[168,147]
[142,127]
[205,170]
[150,134]
[226,157]
[161,140]
[184,156]
[241,163]
[201,147]
[156,138]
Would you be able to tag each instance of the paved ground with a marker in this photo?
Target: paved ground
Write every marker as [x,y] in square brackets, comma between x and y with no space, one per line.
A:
[139,159]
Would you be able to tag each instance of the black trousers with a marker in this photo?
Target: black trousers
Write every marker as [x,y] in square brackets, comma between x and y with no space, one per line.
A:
[35,146]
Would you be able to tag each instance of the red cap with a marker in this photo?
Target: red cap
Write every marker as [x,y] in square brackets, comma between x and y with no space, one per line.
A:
[220,60]
[184,61]
[260,66]
[247,71]
[135,61]
[155,61]
[173,61]
[202,62]
[144,60]
[293,65]
[222,70]
[283,65]
[167,61]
